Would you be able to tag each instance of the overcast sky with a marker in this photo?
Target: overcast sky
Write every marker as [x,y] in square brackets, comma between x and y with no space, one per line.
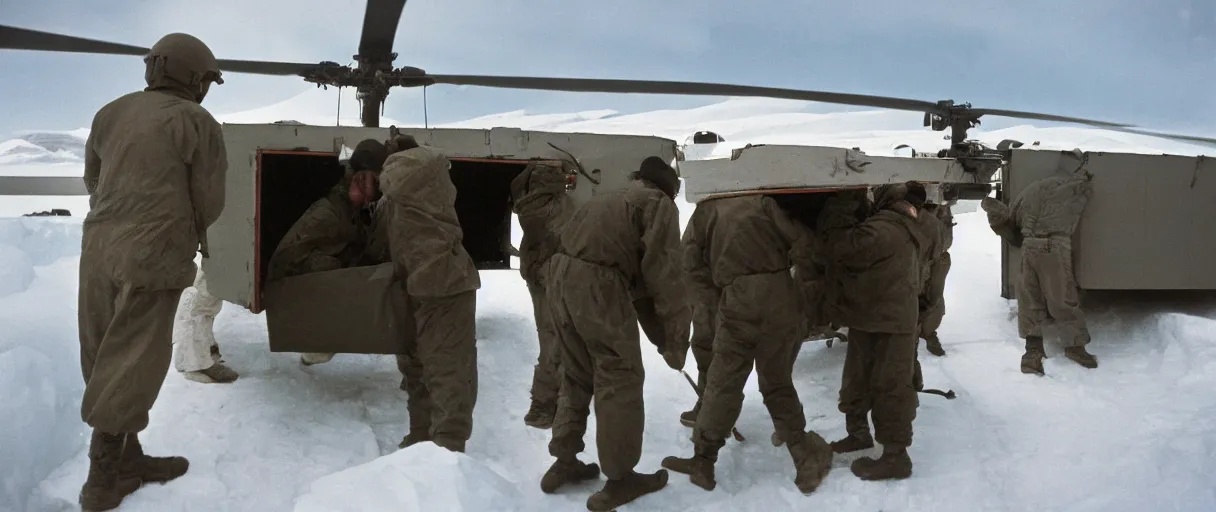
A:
[1151,63]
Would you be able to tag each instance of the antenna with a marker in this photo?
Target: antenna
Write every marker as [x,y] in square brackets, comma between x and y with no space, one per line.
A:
[338,120]
[426,123]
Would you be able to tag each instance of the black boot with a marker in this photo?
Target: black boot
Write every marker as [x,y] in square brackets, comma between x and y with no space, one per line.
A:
[859,438]
[699,467]
[150,469]
[107,485]
[564,472]
[540,415]
[621,491]
[689,418]
[895,464]
[934,345]
[1032,360]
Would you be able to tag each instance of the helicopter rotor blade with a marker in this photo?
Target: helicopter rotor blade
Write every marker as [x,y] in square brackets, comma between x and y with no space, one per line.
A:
[682,88]
[1044,117]
[15,38]
[380,22]
[261,67]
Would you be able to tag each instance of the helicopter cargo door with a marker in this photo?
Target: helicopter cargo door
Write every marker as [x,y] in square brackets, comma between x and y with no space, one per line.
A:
[483,205]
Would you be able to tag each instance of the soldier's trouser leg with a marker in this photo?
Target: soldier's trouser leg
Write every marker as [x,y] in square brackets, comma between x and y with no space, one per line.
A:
[1060,292]
[704,317]
[1032,307]
[125,350]
[601,355]
[856,399]
[418,398]
[195,341]
[892,389]
[545,383]
[758,323]
[447,348]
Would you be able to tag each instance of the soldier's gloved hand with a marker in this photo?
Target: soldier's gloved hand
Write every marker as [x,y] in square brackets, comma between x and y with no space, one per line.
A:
[675,360]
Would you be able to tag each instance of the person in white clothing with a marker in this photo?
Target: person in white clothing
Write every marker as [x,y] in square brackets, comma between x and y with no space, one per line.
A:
[197,356]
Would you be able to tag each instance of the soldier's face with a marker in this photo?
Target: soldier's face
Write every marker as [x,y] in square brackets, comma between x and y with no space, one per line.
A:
[363,188]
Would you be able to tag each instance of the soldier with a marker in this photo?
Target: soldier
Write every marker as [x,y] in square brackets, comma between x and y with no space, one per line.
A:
[620,247]
[1041,222]
[930,251]
[875,265]
[540,201]
[424,236]
[743,244]
[154,168]
[332,233]
[198,355]
[933,299]
[703,295]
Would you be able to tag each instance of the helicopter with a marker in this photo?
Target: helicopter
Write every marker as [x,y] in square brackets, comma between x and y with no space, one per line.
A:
[278,169]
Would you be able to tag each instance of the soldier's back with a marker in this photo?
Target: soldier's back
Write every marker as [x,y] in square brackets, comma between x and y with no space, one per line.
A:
[607,229]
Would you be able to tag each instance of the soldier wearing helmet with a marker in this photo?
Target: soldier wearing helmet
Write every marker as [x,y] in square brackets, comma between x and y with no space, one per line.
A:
[155,164]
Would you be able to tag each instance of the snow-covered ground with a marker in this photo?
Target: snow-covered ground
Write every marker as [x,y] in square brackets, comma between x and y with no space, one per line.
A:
[1133,435]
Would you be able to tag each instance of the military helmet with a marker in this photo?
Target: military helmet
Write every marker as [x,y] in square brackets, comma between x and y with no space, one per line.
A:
[182,58]
[369,155]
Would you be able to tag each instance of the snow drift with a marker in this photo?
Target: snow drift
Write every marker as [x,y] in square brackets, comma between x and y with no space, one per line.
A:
[421,478]
[40,384]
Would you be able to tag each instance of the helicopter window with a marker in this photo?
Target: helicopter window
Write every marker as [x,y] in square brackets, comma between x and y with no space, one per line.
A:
[704,137]
[483,205]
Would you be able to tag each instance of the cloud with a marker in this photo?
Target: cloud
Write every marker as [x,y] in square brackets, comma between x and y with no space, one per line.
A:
[1124,60]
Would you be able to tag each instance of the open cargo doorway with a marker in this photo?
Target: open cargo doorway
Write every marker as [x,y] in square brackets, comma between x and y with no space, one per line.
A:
[288,182]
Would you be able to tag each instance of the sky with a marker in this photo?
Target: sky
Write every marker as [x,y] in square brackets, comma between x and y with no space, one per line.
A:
[1146,63]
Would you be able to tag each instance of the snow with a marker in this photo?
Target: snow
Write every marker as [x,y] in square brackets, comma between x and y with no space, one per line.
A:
[1132,435]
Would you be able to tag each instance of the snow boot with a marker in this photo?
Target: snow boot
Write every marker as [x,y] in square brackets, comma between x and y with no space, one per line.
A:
[1032,360]
[934,346]
[859,438]
[813,459]
[540,415]
[699,467]
[216,374]
[619,492]
[107,484]
[1081,356]
[895,464]
[150,469]
[414,437]
[564,472]
[311,358]
[689,418]
[918,378]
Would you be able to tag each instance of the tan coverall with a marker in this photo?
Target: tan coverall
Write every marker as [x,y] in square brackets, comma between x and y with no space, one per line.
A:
[425,241]
[743,245]
[876,273]
[155,165]
[619,246]
[933,299]
[1041,221]
[542,205]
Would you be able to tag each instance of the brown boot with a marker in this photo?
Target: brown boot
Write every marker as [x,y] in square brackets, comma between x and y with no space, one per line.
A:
[619,492]
[1032,360]
[150,469]
[895,464]
[689,418]
[1081,356]
[107,485]
[813,459]
[934,346]
[564,472]
[540,414]
[699,467]
[859,438]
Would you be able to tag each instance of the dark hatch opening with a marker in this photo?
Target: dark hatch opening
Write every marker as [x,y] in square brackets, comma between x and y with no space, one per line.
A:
[483,205]
[288,183]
